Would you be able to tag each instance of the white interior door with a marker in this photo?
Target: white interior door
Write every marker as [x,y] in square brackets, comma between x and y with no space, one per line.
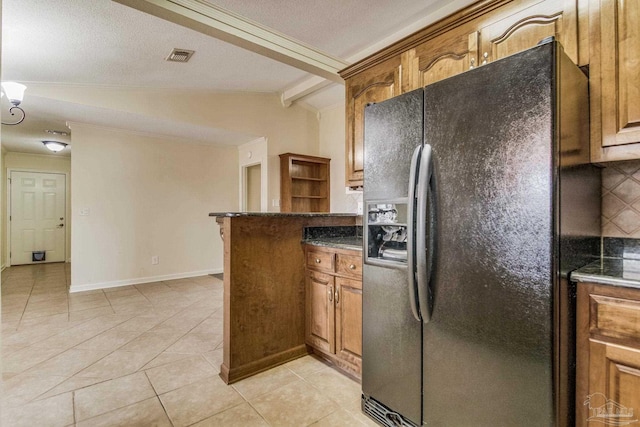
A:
[37,216]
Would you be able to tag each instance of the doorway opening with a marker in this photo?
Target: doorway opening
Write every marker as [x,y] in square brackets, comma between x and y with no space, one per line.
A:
[253,162]
[253,193]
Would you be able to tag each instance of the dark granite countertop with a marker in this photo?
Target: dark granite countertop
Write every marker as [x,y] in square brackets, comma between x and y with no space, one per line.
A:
[342,237]
[282,214]
[353,243]
[610,271]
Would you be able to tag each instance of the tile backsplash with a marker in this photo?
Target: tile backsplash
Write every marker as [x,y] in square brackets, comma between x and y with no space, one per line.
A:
[621,199]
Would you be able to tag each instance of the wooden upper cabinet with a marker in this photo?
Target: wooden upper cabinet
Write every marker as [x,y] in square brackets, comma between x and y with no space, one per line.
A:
[485,31]
[376,84]
[525,28]
[452,53]
[615,79]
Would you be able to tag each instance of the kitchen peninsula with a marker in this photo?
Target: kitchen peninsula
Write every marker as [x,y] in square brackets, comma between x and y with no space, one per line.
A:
[264,288]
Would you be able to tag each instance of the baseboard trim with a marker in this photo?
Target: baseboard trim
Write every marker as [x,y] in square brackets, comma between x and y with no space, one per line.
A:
[140,280]
[231,375]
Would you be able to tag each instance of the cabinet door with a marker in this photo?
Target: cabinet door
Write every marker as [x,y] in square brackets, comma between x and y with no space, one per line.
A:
[319,325]
[452,53]
[373,85]
[614,384]
[524,29]
[348,303]
[615,80]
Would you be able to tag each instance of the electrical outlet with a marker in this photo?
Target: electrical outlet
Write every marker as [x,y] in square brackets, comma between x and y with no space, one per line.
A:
[155,260]
[85,212]
[275,203]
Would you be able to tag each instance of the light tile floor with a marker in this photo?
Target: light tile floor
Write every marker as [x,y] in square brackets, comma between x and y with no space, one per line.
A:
[145,355]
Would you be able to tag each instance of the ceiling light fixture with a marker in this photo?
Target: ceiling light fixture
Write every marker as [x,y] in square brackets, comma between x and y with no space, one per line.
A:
[55,146]
[15,94]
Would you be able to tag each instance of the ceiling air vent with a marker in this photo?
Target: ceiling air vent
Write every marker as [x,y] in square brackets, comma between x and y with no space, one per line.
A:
[180,55]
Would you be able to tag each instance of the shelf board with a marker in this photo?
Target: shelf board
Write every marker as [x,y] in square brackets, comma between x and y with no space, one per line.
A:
[308,197]
[390,224]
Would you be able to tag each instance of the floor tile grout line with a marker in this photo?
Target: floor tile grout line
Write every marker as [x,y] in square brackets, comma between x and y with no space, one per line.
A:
[39,397]
[70,348]
[127,405]
[26,303]
[259,413]
[207,310]
[159,400]
[73,406]
[118,348]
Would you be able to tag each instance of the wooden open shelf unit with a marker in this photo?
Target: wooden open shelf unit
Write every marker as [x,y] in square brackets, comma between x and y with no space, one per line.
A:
[304,183]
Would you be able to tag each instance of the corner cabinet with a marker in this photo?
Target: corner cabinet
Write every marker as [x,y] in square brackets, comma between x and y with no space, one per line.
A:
[333,326]
[608,355]
[304,183]
[614,28]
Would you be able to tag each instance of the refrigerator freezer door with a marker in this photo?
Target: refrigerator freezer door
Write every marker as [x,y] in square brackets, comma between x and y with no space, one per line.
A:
[391,336]
[488,349]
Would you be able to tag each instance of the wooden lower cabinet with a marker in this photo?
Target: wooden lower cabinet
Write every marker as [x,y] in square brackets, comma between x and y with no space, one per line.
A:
[333,326]
[608,355]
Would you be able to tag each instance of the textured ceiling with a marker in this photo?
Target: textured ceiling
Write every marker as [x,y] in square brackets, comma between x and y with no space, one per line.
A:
[106,44]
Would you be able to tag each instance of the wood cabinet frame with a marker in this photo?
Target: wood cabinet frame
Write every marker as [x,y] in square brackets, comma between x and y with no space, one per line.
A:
[333,326]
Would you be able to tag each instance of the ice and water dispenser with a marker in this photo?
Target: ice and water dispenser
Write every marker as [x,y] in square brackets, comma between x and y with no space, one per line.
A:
[386,232]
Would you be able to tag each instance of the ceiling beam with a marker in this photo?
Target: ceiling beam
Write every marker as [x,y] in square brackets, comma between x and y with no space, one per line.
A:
[302,89]
[225,25]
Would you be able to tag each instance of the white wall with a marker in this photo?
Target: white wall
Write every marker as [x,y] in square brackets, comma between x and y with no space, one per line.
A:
[332,139]
[293,129]
[146,197]
[37,163]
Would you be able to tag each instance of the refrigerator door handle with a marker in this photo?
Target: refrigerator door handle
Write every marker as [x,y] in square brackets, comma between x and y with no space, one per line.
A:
[411,208]
[422,195]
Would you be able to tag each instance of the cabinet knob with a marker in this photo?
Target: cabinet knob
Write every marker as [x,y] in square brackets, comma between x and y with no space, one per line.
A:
[318,261]
[337,296]
[485,56]
[352,267]
[473,63]
[330,292]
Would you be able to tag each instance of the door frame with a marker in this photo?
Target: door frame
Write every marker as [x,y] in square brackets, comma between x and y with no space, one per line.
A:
[243,186]
[67,190]
[251,154]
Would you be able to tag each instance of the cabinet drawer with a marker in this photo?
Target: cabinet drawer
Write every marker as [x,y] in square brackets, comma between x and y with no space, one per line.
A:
[320,260]
[349,265]
[615,317]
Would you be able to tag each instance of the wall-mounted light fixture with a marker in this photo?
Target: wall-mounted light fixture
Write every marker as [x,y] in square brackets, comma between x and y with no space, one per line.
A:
[54,146]
[15,93]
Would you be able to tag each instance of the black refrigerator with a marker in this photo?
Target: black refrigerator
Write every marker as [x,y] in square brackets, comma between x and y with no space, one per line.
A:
[479,201]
